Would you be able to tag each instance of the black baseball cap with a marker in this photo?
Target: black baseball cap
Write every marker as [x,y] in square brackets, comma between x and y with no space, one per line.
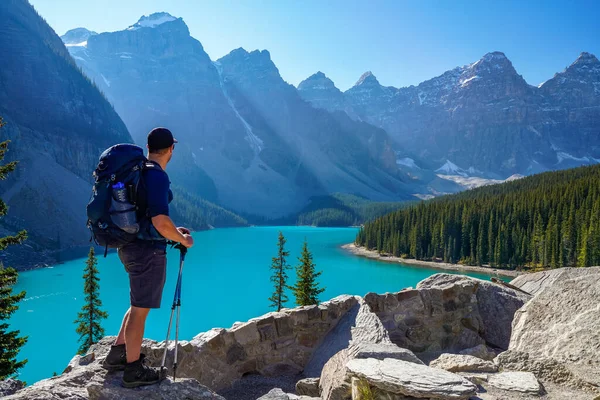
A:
[160,138]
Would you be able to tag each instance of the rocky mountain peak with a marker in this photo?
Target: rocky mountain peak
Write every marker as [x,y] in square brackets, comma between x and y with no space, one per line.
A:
[153,20]
[494,63]
[318,81]
[367,79]
[587,59]
[77,36]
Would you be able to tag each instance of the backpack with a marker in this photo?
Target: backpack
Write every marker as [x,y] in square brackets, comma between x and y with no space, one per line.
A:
[112,210]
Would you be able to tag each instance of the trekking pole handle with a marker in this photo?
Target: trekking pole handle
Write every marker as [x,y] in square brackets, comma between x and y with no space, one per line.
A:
[176,245]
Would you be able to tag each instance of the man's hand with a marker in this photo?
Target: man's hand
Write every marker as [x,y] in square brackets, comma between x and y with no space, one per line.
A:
[188,240]
[183,231]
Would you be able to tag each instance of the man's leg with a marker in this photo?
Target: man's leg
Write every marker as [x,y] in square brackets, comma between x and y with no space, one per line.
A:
[134,332]
[116,359]
[121,338]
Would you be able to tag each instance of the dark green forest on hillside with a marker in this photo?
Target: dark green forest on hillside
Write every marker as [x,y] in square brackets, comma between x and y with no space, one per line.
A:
[336,210]
[199,214]
[546,220]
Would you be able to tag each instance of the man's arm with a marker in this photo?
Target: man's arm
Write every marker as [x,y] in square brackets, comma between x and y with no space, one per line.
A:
[165,226]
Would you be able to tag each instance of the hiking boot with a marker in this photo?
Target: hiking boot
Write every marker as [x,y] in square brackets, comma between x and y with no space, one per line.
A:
[116,358]
[138,374]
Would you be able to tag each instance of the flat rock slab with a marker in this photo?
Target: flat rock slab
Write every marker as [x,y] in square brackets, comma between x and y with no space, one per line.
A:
[524,382]
[463,363]
[409,379]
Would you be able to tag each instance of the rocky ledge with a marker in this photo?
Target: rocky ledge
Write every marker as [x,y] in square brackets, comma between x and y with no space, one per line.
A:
[452,337]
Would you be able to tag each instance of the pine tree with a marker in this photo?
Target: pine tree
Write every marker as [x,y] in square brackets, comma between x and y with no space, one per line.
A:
[279,278]
[89,329]
[10,342]
[307,289]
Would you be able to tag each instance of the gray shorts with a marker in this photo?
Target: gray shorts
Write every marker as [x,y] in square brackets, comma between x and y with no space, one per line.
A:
[147,269]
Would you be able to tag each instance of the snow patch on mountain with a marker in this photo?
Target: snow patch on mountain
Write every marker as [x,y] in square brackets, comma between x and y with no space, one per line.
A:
[566,156]
[255,142]
[449,168]
[82,44]
[407,162]
[106,81]
[465,82]
[472,182]
[152,21]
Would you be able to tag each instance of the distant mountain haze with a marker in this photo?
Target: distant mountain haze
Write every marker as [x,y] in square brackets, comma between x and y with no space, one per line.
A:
[247,139]
[481,117]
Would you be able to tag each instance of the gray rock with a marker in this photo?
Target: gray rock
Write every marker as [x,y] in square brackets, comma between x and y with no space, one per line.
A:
[561,322]
[380,351]
[496,304]
[10,386]
[481,351]
[278,394]
[463,363]
[447,314]
[524,382]
[408,379]
[183,389]
[308,387]
[358,325]
[360,334]
[92,382]
[535,283]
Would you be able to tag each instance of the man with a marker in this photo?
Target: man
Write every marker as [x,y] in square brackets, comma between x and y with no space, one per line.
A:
[145,261]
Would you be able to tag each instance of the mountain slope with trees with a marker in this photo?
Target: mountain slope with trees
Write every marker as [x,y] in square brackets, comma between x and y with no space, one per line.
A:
[547,220]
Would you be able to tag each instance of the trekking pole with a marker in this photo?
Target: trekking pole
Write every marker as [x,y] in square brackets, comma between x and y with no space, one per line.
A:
[176,304]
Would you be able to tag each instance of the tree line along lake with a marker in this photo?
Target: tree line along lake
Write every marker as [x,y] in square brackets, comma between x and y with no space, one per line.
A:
[225,279]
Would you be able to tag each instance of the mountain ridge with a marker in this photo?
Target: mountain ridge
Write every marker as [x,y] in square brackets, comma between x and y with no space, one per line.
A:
[478,105]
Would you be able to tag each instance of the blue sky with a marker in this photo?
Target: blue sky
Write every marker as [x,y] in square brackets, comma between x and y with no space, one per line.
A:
[402,42]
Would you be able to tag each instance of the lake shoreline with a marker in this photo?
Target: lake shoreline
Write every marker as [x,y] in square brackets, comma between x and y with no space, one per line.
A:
[363,252]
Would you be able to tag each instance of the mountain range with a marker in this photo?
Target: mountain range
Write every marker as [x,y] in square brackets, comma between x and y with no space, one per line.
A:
[247,138]
[482,117]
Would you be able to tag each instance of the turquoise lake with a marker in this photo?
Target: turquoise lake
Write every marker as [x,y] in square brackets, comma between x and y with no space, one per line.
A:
[225,279]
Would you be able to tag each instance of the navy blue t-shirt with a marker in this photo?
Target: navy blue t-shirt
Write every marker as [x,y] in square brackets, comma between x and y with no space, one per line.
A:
[158,192]
[154,197]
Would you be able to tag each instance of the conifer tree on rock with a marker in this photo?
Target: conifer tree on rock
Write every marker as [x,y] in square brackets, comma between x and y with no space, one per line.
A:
[89,329]
[279,278]
[307,289]
[10,342]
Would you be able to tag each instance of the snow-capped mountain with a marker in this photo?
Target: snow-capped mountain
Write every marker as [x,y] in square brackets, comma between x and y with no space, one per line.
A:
[77,37]
[485,116]
[152,20]
[247,139]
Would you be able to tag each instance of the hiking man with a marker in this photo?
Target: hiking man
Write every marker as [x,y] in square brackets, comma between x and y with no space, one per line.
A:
[145,261]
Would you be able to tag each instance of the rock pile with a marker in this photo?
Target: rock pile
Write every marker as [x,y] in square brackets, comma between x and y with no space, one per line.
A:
[377,347]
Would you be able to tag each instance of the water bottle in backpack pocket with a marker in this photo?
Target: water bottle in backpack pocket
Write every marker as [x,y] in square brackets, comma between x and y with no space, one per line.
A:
[122,212]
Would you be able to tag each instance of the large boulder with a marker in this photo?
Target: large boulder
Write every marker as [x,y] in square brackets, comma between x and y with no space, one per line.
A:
[560,324]
[448,313]
[390,376]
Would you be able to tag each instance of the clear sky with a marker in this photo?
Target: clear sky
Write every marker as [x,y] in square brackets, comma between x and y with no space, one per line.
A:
[402,42]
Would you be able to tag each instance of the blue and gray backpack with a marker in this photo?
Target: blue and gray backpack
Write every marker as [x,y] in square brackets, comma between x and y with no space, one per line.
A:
[113,211]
